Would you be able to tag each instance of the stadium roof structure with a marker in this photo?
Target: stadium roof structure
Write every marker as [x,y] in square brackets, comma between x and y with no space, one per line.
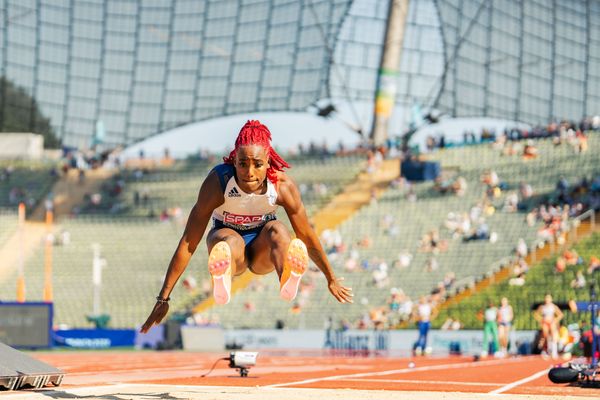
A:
[121,71]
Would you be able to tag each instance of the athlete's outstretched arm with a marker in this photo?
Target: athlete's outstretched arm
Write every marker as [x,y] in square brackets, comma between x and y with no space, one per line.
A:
[209,198]
[289,198]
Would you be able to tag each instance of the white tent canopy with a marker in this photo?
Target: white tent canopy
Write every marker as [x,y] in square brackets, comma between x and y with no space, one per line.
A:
[218,135]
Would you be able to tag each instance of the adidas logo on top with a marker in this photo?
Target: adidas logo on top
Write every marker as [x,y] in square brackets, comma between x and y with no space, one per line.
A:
[234,193]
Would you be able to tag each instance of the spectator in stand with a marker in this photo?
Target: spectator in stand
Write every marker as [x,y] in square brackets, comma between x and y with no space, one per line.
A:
[571,257]
[560,265]
[404,259]
[380,275]
[449,280]
[490,178]
[365,242]
[522,249]
[431,264]
[562,186]
[459,186]
[190,284]
[437,244]
[437,294]
[394,300]
[406,307]
[511,202]
[517,280]
[579,281]
[595,186]
[531,217]
[525,190]
[379,317]
[351,264]
[519,271]
[481,233]
[451,324]
[594,265]
[530,151]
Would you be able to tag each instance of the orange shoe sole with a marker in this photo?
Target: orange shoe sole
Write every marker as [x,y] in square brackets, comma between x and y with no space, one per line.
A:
[219,267]
[295,265]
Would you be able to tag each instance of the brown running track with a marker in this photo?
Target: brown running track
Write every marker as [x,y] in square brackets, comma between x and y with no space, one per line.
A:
[278,372]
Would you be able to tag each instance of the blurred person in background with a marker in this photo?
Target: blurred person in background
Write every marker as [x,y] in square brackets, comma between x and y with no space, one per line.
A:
[490,330]
[422,314]
[505,318]
[549,316]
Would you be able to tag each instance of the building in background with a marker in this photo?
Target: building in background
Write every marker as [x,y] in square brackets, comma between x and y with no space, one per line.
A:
[140,68]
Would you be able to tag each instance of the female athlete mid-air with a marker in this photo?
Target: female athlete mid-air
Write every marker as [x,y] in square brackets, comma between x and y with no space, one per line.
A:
[242,195]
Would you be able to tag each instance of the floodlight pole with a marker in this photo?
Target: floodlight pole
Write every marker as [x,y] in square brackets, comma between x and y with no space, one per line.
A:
[385,95]
[97,264]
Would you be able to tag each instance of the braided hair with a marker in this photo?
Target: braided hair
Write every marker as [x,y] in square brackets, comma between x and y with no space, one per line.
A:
[253,132]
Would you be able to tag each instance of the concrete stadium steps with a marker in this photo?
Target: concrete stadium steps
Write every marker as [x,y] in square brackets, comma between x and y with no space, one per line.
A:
[69,191]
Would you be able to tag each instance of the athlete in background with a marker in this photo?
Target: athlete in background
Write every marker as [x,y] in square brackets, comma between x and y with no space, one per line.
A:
[505,318]
[549,317]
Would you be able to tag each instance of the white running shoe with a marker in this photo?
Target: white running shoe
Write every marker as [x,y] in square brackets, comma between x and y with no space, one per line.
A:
[219,266]
[295,265]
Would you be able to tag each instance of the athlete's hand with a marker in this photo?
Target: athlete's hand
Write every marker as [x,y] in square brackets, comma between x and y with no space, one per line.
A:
[343,294]
[158,313]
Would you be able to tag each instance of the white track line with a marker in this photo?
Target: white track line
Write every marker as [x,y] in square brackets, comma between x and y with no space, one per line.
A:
[48,390]
[519,382]
[421,381]
[394,371]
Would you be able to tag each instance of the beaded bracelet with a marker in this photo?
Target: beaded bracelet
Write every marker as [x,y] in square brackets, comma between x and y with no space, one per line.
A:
[161,300]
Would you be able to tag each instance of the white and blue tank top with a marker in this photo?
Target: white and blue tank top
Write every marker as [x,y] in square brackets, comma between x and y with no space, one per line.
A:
[243,211]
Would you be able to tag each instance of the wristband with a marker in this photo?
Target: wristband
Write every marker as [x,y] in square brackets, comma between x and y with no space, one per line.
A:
[161,300]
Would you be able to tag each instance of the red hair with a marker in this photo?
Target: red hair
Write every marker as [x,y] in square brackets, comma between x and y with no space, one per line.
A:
[253,132]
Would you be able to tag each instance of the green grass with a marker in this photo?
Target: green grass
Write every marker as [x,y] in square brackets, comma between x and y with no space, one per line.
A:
[540,279]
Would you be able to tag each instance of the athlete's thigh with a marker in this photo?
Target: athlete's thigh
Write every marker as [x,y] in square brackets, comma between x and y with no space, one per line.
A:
[274,236]
[236,244]
[545,329]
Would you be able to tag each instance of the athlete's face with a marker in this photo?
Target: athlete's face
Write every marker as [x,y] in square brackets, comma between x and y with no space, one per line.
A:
[251,165]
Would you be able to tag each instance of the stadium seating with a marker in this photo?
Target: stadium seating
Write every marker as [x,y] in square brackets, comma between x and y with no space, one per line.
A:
[137,249]
[540,279]
[468,261]
[8,224]
[29,182]
[151,192]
